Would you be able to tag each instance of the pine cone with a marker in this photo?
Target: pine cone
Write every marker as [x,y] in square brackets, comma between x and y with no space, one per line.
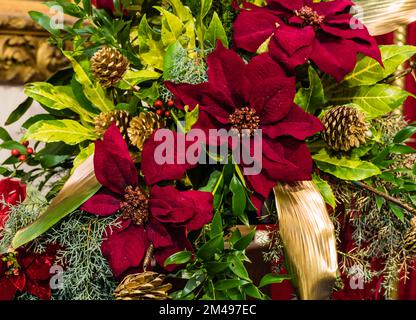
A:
[345,128]
[119,117]
[410,239]
[143,286]
[108,66]
[142,127]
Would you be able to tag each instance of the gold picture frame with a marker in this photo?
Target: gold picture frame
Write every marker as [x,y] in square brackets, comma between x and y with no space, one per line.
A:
[25,53]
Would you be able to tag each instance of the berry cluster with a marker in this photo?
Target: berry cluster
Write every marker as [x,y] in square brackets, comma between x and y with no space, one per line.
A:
[162,109]
[23,156]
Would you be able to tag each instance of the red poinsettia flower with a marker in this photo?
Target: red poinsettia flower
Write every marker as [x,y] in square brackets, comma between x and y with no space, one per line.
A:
[11,193]
[104,4]
[252,96]
[26,272]
[305,29]
[160,217]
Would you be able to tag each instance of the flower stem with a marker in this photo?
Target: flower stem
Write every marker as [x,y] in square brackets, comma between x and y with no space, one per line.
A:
[385,196]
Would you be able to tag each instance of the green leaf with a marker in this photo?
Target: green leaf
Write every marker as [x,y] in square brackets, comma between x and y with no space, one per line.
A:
[235,236]
[206,5]
[311,99]
[344,168]
[216,32]
[325,190]
[68,131]
[368,71]
[229,284]
[80,187]
[211,247]
[57,98]
[172,27]
[212,181]
[19,111]
[83,156]
[216,267]
[404,134]
[45,21]
[252,291]
[271,278]
[401,149]
[178,258]
[197,279]
[238,199]
[51,160]
[4,135]
[36,118]
[170,59]
[10,145]
[216,225]
[180,10]
[374,101]
[245,241]
[93,91]
[137,77]
[151,49]
[191,117]
[237,267]
[398,211]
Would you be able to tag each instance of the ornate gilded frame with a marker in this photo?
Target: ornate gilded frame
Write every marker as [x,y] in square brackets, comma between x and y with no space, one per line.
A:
[25,54]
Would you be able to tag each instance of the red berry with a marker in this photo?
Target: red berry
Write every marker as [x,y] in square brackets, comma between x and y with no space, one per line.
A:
[167,114]
[15,153]
[159,112]
[158,104]
[22,158]
[29,151]
[25,143]
[171,103]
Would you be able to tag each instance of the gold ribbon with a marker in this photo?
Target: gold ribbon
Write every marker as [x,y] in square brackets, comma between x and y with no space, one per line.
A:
[308,237]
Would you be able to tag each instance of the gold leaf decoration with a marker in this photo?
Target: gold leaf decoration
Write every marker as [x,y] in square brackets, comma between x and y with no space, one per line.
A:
[308,237]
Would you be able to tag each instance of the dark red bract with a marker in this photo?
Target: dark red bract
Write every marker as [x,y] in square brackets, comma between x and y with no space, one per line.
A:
[161,217]
[11,193]
[257,95]
[300,30]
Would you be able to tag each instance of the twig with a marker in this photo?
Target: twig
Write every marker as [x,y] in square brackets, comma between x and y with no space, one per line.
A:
[385,196]
[401,74]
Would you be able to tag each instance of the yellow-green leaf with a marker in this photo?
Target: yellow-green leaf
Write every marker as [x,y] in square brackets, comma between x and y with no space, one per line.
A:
[344,168]
[82,156]
[81,186]
[325,190]
[216,32]
[67,131]
[92,90]
[136,77]
[368,71]
[58,98]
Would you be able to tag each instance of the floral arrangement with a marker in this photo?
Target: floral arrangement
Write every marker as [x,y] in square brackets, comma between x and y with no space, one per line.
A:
[177,122]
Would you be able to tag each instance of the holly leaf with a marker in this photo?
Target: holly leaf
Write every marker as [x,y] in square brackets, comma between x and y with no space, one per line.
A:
[368,71]
[373,101]
[325,190]
[344,168]
[216,32]
[68,131]
[311,99]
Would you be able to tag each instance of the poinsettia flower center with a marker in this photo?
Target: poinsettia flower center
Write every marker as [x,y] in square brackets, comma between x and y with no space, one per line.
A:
[12,266]
[244,120]
[135,205]
[309,16]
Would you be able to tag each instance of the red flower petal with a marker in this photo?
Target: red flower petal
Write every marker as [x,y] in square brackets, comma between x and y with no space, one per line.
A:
[12,192]
[158,234]
[104,203]
[328,9]
[125,248]
[327,56]
[7,289]
[298,124]
[165,160]
[192,209]
[252,28]
[227,71]
[292,46]
[113,165]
